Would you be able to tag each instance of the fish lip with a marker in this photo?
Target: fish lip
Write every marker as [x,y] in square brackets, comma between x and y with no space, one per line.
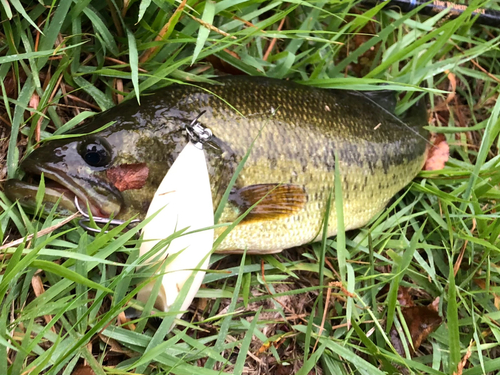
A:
[73,189]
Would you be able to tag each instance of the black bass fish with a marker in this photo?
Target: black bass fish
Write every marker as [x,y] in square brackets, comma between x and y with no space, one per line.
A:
[296,132]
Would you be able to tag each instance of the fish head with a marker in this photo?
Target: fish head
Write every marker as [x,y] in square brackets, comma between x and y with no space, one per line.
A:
[114,171]
[115,162]
[74,167]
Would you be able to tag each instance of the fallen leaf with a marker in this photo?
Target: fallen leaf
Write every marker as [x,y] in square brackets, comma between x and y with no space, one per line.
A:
[396,342]
[421,321]
[434,305]
[38,289]
[284,369]
[404,297]
[224,66]
[34,101]
[123,321]
[83,370]
[464,360]
[438,153]
[128,176]
[453,86]
[202,304]
[482,284]
[113,344]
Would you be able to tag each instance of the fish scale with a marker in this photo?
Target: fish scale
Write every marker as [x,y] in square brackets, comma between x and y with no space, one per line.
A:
[296,132]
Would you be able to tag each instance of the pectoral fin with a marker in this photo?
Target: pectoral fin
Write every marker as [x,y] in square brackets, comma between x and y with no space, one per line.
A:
[273,200]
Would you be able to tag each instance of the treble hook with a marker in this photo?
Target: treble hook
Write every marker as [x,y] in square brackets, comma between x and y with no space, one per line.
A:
[198,134]
[98,220]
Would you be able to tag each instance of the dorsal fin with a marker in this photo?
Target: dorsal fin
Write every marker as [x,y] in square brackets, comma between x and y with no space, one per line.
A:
[387,99]
[416,116]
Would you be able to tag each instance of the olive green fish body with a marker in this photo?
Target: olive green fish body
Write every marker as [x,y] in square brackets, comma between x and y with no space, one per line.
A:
[293,132]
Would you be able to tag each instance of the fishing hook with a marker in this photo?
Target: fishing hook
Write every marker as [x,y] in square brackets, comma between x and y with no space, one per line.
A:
[198,134]
[98,220]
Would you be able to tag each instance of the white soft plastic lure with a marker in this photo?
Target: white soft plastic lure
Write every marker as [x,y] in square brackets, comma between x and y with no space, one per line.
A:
[183,199]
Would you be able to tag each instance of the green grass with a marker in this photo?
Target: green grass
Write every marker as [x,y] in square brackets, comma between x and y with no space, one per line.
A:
[76,57]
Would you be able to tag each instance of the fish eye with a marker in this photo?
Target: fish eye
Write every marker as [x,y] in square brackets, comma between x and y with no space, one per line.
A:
[95,153]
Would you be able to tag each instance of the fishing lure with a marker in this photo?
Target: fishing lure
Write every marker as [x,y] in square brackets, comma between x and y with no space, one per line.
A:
[183,200]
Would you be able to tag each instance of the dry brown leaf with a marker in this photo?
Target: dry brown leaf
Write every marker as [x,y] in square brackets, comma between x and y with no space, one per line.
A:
[496,297]
[224,66]
[404,297]
[119,89]
[113,344]
[480,283]
[434,305]
[123,321]
[202,304]
[453,86]
[38,289]
[273,41]
[496,301]
[128,176]
[264,347]
[34,101]
[36,283]
[421,321]
[83,370]
[464,360]
[438,153]
[149,52]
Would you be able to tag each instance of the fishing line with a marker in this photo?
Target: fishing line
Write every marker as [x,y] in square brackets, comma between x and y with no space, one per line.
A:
[427,141]
[482,16]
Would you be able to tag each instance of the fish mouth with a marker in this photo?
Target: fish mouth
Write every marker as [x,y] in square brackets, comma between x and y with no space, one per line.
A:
[58,191]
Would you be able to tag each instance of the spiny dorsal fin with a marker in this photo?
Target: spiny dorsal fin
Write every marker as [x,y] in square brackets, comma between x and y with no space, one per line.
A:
[385,98]
[417,116]
[278,200]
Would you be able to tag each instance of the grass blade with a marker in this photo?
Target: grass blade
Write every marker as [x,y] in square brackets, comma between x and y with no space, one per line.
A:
[68,274]
[134,62]
[20,8]
[207,18]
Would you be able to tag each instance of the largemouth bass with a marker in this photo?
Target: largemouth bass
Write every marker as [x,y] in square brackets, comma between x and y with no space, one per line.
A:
[293,133]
